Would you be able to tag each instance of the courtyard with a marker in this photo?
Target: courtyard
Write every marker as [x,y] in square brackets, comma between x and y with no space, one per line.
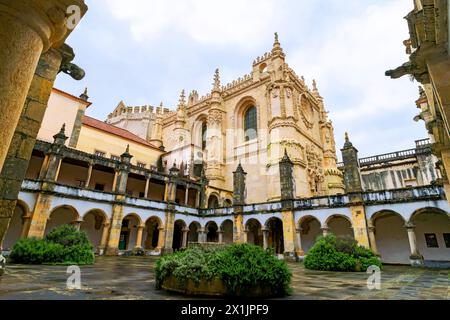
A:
[132,278]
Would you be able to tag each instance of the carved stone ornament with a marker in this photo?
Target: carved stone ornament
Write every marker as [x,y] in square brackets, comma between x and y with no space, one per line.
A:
[215,117]
[307,112]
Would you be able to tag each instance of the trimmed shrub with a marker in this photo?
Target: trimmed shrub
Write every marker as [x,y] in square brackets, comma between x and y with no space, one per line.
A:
[340,254]
[240,267]
[65,245]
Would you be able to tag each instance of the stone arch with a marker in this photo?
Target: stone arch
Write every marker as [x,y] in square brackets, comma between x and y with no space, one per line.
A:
[241,108]
[227,231]
[213,201]
[178,229]
[16,226]
[62,215]
[212,232]
[340,225]
[391,237]
[193,234]
[197,129]
[151,235]
[92,225]
[254,232]
[432,227]
[274,226]
[310,229]
[128,232]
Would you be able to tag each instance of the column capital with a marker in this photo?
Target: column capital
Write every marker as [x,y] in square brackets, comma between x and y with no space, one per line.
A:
[46,17]
[410,226]
[299,230]
[141,226]
[185,230]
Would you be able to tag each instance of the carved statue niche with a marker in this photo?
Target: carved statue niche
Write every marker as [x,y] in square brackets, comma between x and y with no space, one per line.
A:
[315,169]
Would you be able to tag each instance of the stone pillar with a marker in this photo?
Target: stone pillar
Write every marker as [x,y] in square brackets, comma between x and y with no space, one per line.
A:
[105,232]
[289,235]
[161,237]
[25,226]
[245,236]
[352,174]
[220,236]
[298,245]
[286,178]
[147,186]
[238,225]
[359,223]
[140,231]
[416,258]
[166,192]
[27,29]
[169,230]
[202,235]
[185,238]
[197,199]
[373,240]
[186,196]
[89,175]
[265,238]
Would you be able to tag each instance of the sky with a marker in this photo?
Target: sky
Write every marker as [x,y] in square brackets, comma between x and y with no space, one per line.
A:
[146,51]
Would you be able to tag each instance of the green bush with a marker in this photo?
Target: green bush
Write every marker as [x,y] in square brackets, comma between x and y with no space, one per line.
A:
[340,254]
[240,266]
[65,245]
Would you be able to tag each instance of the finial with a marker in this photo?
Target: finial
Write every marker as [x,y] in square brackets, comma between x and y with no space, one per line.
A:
[217,80]
[84,96]
[128,149]
[347,139]
[314,85]
[182,100]
[276,38]
[63,129]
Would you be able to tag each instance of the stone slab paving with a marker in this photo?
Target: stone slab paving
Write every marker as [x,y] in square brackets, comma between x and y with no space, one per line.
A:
[133,278]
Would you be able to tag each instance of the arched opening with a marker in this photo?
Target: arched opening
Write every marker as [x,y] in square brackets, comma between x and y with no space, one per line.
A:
[276,239]
[204,134]
[391,237]
[194,228]
[340,226]
[250,124]
[227,231]
[16,225]
[128,233]
[254,232]
[178,228]
[61,216]
[212,234]
[310,230]
[432,234]
[151,233]
[93,226]
[213,202]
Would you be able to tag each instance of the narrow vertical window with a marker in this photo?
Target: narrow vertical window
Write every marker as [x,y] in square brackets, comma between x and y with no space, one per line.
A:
[250,124]
[204,132]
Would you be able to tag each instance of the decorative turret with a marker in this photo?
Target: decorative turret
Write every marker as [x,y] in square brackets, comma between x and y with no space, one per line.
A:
[287,177]
[157,132]
[239,193]
[352,175]
[216,84]
[277,50]
[84,96]
[60,138]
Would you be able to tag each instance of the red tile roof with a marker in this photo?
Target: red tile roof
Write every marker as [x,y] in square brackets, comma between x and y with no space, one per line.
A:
[125,134]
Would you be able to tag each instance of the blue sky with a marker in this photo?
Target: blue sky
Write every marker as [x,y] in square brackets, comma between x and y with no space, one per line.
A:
[147,51]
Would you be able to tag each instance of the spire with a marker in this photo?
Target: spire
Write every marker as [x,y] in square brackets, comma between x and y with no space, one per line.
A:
[348,143]
[277,50]
[60,137]
[182,101]
[84,96]
[216,80]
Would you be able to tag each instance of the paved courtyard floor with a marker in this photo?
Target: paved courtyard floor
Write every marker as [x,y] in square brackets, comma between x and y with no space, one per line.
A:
[133,278]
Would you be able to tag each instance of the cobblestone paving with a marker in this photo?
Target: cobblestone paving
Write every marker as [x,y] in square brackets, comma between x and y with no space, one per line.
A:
[133,278]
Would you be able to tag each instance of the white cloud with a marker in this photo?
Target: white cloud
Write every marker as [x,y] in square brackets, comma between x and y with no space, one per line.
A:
[211,22]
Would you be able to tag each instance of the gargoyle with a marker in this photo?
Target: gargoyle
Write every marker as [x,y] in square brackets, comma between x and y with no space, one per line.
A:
[67,66]
[404,69]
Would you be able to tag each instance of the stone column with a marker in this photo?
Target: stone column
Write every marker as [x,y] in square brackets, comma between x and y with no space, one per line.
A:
[245,236]
[105,231]
[27,29]
[202,235]
[161,235]
[416,258]
[299,247]
[265,238]
[186,196]
[197,199]
[169,230]
[372,239]
[325,231]
[89,175]
[289,235]
[185,238]
[140,231]
[25,226]
[77,224]
[166,192]
[147,186]
[220,236]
